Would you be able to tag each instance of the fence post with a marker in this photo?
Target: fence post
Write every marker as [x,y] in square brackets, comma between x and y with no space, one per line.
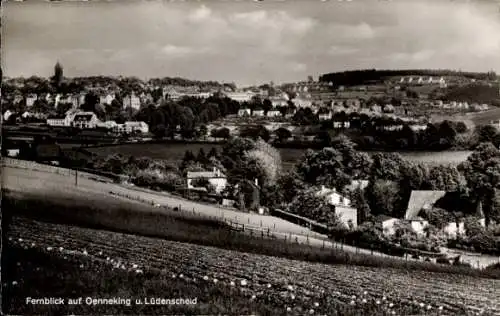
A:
[296,239]
[262,234]
[243,225]
[323,247]
[268,232]
[249,220]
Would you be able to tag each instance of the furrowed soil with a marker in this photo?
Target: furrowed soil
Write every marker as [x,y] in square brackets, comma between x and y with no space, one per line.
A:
[42,259]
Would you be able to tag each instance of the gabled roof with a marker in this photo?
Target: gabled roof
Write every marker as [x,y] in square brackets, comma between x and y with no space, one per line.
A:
[421,199]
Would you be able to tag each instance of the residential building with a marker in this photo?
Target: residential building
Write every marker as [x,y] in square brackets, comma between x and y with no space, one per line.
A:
[112,125]
[85,120]
[244,112]
[421,200]
[388,224]
[140,127]
[7,114]
[106,98]
[215,177]
[258,113]
[132,101]
[30,100]
[454,229]
[325,116]
[60,121]
[302,102]
[278,101]
[333,197]
[273,113]
[240,96]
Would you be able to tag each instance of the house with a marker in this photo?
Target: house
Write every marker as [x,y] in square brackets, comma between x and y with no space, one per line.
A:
[454,229]
[302,103]
[62,121]
[357,184]
[325,116]
[85,120]
[388,224]
[244,112]
[332,197]
[7,114]
[421,200]
[258,113]
[278,101]
[388,108]
[106,98]
[273,113]
[30,100]
[108,125]
[240,96]
[26,115]
[132,101]
[215,177]
[135,126]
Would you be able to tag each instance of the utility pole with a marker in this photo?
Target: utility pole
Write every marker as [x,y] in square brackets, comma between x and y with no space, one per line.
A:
[76,177]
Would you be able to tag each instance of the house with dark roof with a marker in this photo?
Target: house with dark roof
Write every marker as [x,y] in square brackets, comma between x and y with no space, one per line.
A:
[421,200]
[85,120]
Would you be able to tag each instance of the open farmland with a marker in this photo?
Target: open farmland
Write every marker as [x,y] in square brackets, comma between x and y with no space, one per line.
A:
[267,284]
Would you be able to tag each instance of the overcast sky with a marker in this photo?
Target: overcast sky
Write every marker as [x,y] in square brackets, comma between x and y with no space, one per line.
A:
[248,42]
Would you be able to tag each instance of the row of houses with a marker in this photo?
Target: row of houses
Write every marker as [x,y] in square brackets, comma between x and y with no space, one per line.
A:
[412,80]
[460,105]
[88,120]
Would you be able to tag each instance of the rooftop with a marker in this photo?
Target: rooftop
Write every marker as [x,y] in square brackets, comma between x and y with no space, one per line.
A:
[420,200]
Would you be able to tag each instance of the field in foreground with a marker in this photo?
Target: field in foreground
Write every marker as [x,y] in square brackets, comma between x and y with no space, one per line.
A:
[104,264]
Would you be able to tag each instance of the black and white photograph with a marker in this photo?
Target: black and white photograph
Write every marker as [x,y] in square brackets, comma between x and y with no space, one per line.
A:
[241,157]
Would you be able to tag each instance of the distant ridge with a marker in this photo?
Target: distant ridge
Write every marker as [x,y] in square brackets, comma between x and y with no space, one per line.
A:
[366,76]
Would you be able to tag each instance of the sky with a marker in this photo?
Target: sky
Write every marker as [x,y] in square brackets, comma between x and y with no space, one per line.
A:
[247,42]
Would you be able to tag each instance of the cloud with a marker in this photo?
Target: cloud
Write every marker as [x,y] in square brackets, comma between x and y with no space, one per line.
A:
[200,14]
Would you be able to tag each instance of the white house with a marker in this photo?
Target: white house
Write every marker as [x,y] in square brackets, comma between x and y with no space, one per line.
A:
[258,113]
[85,120]
[302,103]
[7,114]
[215,177]
[273,113]
[62,121]
[107,124]
[30,100]
[240,96]
[141,127]
[244,112]
[388,224]
[453,229]
[325,116]
[333,197]
[132,101]
[106,98]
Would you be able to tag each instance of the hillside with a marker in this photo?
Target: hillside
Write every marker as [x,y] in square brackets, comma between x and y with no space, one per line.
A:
[474,93]
[365,76]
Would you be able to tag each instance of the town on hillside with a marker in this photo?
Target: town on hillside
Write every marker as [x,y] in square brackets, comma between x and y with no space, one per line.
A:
[250,158]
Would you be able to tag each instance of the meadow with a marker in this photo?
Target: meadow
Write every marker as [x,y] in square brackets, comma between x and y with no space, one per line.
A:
[99,263]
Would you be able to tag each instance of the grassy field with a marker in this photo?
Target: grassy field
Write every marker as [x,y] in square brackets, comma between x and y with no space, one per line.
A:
[98,263]
[183,227]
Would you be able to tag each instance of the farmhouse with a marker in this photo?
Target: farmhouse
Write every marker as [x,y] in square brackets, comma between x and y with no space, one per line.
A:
[215,178]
